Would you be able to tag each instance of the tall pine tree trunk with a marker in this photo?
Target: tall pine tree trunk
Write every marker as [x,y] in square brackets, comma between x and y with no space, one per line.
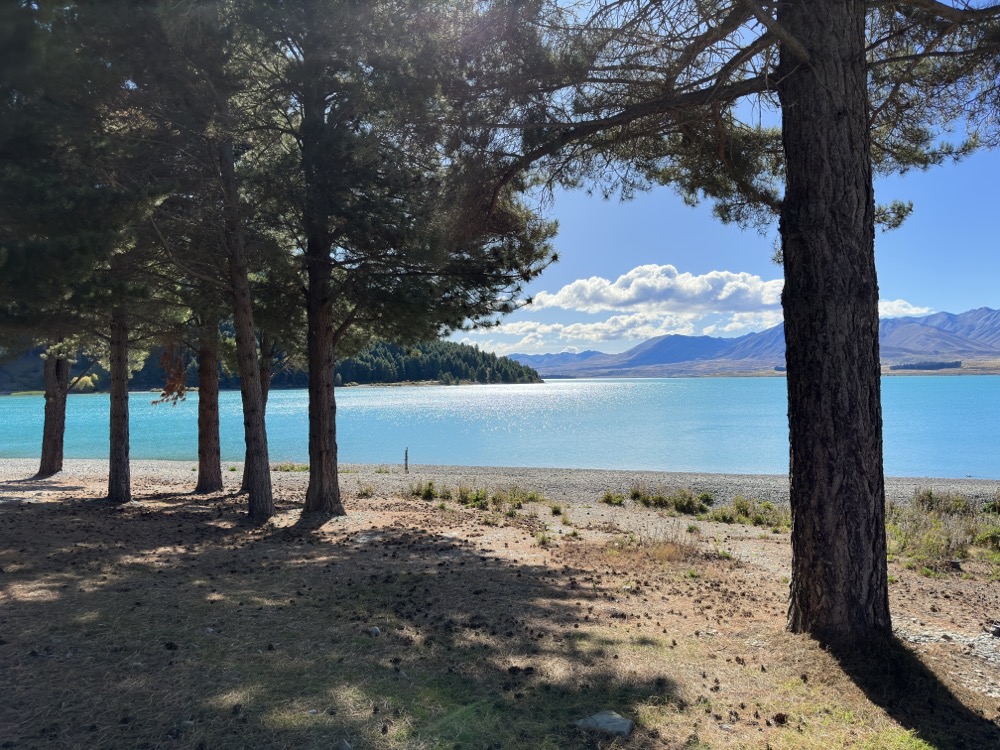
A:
[209,446]
[119,478]
[264,364]
[257,469]
[323,494]
[839,591]
[54,429]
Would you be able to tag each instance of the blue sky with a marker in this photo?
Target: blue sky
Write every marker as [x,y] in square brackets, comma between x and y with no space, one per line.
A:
[630,271]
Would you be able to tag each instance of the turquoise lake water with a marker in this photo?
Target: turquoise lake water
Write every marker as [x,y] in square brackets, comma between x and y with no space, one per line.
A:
[934,426]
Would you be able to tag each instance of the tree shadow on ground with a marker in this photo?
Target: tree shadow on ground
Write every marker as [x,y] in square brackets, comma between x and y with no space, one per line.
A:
[894,678]
[37,484]
[175,627]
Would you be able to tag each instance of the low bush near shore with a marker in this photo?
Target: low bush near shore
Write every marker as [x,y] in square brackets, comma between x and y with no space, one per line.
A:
[935,530]
[682,501]
[747,511]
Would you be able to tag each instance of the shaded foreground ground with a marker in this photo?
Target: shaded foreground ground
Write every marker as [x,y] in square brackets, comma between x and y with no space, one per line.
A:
[171,624]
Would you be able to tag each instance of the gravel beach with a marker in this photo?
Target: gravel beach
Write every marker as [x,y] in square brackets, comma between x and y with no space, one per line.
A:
[561,485]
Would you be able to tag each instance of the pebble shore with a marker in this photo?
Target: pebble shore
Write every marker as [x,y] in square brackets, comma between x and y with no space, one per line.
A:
[562,485]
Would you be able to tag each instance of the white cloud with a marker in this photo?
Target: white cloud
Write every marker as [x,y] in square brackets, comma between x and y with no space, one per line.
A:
[900,308]
[650,301]
[533,335]
[745,322]
[653,288]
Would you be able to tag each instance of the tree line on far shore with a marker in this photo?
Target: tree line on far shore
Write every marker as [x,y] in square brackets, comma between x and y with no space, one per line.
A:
[445,362]
[323,173]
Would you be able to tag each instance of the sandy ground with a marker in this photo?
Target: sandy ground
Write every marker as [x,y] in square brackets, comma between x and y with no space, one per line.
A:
[954,617]
[560,485]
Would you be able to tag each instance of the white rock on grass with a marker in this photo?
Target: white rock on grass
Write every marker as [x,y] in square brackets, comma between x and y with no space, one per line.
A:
[609,722]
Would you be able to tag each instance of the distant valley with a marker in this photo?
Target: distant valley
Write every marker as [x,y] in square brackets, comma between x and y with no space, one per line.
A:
[943,342]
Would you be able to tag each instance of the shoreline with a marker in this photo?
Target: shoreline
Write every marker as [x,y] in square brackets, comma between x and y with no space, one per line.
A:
[557,484]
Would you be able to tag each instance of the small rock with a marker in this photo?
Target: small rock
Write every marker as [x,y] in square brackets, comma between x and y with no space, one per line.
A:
[781,719]
[187,723]
[312,712]
[374,632]
[609,722]
[344,745]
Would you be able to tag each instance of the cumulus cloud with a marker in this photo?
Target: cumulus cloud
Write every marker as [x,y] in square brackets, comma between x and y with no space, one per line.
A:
[531,335]
[650,301]
[745,322]
[653,288]
[900,308]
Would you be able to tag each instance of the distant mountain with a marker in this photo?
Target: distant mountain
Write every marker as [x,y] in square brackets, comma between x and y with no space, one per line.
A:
[972,337]
[561,359]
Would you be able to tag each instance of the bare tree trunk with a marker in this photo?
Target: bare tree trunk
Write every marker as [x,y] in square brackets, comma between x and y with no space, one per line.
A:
[265,363]
[54,429]
[119,478]
[323,494]
[839,589]
[209,444]
[257,469]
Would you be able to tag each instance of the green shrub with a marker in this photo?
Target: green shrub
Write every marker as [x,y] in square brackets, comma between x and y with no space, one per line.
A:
[947,503]
[757,513]
[989,538]
[610,498]
[423,491]
[936,528]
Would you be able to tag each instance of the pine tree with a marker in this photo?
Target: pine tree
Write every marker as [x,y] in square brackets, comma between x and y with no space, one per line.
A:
[643,92]
[383,211]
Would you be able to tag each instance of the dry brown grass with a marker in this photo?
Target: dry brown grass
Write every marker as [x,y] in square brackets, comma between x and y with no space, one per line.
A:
[171,624]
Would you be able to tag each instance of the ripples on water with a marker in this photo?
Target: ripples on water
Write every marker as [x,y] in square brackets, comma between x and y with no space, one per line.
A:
[934,426]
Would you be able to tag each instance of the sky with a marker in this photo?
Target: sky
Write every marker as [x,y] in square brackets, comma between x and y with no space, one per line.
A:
[631,271]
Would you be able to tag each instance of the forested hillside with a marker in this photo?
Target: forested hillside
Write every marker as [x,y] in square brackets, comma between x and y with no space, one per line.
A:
[443,361]
[436,360]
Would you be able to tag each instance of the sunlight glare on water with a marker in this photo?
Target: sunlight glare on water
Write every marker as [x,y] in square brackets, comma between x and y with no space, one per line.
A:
[934,426]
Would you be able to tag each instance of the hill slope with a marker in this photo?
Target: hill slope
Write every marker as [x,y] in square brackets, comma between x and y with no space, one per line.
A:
[973,337]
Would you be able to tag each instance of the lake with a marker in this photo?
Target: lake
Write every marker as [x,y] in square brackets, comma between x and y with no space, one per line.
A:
[934,426]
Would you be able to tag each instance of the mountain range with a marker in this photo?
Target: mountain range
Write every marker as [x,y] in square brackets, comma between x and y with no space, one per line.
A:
[968,342]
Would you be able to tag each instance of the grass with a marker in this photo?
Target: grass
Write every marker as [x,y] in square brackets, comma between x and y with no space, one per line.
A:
[290,467]
[170,623]
[752,512]
[935,531]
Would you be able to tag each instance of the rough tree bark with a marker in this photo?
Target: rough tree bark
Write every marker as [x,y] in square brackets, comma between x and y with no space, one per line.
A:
[265,363]
[257,469]
[209,446]
[323,494]
[119,476]
[839,588]
[54,430]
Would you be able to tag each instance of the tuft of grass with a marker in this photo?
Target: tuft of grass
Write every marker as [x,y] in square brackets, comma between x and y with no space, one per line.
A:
[611,498]
[660,545]
[682,500]
[424,490]
[556,509]
[936,528]
[366,490]
[286,467]
[753,513]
